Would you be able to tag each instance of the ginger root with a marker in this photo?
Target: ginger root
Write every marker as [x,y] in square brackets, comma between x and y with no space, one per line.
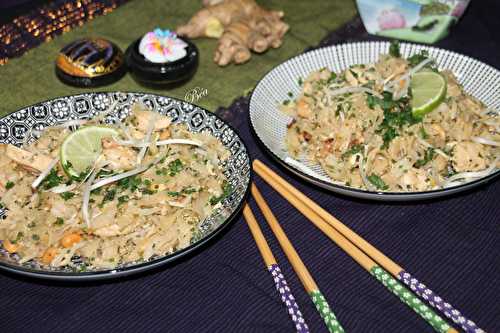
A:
[241,26]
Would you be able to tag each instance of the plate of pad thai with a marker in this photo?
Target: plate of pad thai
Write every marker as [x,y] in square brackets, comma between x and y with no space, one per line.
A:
[103,185]
[384,121]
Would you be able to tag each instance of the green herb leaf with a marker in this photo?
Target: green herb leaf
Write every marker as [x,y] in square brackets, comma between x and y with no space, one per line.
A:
[416,59]
[123,199]
[104,173]
[59,221]
[52,180]
[9,185]
[132,183]
[371,101]
[354,150]
[81,177]
[388,136]
[67,195]
[226,191]
[82,268]
[109,195]
[19,236]
[147,191]
[377,182]
[423,133]
[175,167]
[397,113]
[428,156]
[96,191]
[188,190]
[394,50]
[162,171]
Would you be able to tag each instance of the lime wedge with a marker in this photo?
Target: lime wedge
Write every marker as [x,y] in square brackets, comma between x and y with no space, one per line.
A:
[428,91]
[81,148]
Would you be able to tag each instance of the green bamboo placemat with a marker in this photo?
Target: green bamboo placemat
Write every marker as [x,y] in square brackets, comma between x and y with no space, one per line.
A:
[31,79]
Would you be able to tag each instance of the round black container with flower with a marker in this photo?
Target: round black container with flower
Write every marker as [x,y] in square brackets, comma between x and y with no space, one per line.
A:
[161,75]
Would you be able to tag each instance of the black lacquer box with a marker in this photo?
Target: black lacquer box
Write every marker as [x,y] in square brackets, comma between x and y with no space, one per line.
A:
[90,62]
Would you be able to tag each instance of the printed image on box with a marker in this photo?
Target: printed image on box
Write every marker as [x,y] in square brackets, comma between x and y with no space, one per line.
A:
[424,21]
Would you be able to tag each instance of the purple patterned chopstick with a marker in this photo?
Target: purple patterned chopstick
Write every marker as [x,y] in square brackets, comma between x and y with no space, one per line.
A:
[288,299]
[438,303]
[273,268]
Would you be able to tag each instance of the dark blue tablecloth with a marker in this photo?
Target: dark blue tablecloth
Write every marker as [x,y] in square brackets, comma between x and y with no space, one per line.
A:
[452,245]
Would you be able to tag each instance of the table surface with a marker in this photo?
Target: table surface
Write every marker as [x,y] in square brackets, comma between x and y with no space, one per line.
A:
[451,244]
[33,73]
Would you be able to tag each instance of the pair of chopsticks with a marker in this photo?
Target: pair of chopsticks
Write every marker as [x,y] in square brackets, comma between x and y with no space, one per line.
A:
[370,258]
[305,277]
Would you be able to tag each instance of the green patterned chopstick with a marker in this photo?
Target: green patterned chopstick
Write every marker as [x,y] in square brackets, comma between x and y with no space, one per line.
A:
[300,269]
[411,282]
[405,295]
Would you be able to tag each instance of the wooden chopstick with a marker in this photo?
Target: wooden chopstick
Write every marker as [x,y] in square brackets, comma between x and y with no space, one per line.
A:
[349,242]
[272,266]
[300,269]
[397,271]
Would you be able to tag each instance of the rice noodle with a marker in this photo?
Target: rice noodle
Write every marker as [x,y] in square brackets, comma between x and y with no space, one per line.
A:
[348,90]
[388,79]
[95,229]
[435,176]
[488,111]
[125,130]
[115,178]
[31,131]
[304,168]
[86,192]
[403,91]
[491,123]
[328,133]
[362,173]
[27,258]
[131,143]
[472,174]
[147,138]
[149,211]
[437,150]
[106,112]
[409,74]
[69,123]
[485,141]
[44,173]
[127,174]
[63,188]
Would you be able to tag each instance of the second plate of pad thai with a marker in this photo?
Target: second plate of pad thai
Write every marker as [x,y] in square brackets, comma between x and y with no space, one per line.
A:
[399,124]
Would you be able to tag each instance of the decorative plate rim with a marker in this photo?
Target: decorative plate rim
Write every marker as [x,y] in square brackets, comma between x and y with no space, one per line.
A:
[143,266]
[351,191]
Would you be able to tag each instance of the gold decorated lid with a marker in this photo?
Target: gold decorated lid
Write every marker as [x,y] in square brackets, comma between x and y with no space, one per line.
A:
[89,58]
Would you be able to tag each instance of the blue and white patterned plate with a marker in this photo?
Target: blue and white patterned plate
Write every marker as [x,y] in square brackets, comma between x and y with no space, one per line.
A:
[15,127]
[478,79]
